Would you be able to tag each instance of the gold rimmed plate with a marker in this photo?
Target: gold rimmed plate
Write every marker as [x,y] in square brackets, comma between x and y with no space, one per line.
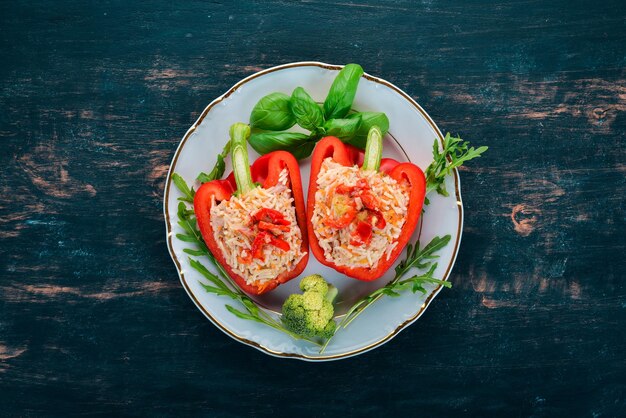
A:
[410,138]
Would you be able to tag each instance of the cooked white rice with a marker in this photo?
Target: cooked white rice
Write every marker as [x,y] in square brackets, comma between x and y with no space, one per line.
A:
[394,200]
[234,231]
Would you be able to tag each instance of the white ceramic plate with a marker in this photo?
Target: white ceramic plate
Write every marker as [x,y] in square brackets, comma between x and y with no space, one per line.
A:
[411,135]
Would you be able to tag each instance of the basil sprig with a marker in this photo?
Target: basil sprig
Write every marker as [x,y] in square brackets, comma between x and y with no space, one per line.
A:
[277,112]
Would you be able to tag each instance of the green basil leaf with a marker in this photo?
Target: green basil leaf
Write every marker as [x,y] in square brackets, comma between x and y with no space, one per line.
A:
[341,95]
[300,145]
[307,113]
[343,129]
[265,142]
[303,150]
[368,119]
[272,113]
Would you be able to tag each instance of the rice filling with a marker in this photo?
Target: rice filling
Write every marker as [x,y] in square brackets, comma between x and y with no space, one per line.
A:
[235,231]
[345,245]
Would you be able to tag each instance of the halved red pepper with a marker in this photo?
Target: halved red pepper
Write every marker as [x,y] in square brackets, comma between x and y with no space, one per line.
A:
[348,156]
[265,171]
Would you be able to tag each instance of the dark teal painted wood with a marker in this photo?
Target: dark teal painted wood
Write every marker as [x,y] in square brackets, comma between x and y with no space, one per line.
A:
[94,98]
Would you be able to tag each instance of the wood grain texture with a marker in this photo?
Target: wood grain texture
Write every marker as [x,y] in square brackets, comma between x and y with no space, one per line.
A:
[94,98]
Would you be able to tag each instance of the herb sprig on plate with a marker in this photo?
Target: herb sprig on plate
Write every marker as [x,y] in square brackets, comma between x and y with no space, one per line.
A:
[275,113]
[416,257]
[220,165]
[220,284]
[455,153]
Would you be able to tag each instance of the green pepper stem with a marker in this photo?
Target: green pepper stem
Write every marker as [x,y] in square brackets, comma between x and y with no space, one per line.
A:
[239,134]
[373,149]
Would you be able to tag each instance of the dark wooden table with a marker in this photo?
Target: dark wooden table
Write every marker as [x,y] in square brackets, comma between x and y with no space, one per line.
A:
[94,99]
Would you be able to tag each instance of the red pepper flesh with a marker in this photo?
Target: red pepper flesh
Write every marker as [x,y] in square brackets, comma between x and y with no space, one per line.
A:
[267,226]
[265,238]
[266,171]
[363,234]
[376,219]
[348,156]
[270,215]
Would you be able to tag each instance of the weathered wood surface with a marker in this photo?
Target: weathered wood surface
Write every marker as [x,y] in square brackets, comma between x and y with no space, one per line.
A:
[94,99]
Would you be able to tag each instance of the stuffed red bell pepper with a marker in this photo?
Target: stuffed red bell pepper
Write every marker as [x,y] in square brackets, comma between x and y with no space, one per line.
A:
[254,221]
[362,210]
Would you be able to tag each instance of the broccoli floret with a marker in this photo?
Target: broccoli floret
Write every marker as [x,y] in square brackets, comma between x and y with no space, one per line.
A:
[314,282]
[310,314]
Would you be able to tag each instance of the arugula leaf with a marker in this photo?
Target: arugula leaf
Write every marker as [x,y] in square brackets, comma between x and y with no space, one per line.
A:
[242,315]
[454,154]
[185,238]
[194,252]
[188,224]
[272,113]
[207,274]
[416,283]
[414,258]
[188,193]
[218,170]
[215,284]
[307,113]
[341,95]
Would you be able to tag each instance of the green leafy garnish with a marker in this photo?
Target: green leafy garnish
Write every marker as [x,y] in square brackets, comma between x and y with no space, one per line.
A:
[415,257]
[421,258]
[393,289]
[187,221]
[272,113]
[344,129]
[454,154]
[218,169]
[188,193]
[368,119]
[217,284]
[300,145]
[341,95]
[307,113]
[415,283]
[269,119]
[303,149]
